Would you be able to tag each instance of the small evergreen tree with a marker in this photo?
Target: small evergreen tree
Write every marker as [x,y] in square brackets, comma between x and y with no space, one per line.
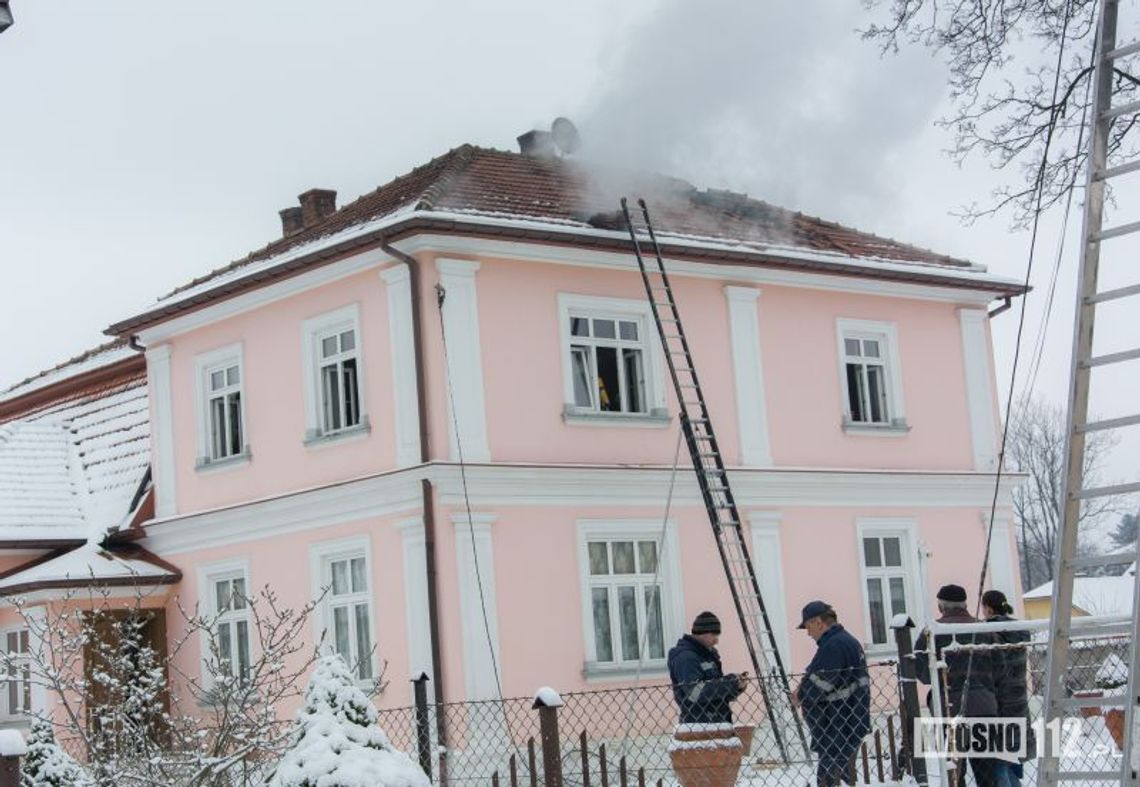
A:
[337,742]
[46,764]
[1126,531]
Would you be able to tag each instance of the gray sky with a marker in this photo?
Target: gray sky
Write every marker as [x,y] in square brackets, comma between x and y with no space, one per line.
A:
[145,143]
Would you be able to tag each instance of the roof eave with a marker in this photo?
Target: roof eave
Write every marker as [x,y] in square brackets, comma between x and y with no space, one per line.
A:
[536,233]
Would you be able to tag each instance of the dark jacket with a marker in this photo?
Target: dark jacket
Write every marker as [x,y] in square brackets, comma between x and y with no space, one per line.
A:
[835,695]
[1011,687]
[978,689]
[702,691]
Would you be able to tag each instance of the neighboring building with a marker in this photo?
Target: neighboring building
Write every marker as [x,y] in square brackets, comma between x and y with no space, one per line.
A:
[1099,595]
[310,405]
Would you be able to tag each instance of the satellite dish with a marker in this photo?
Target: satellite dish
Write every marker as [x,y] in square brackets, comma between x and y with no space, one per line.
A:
[565,135]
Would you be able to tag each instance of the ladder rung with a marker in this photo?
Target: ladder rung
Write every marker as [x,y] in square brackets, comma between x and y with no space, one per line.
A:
[1122,51]
[1104,360]
[1123,229]
[1120,292]
[1094,702]
[1109,423]
[1123,109]
[1097,561]
[1108,491]
[1117,171]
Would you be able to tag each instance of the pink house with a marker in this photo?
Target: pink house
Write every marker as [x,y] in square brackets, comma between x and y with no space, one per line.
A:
[446,403]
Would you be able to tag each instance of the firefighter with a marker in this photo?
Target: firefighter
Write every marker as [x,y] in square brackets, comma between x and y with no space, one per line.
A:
[703,692]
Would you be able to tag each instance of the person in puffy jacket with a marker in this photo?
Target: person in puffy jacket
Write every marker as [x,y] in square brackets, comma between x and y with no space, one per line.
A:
[704,694]
[835,695]
[1011,682]
[969,689]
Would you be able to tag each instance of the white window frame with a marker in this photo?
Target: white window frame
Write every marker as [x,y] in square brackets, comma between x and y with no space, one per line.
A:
[906,530]
[313,331]
[321,557]
[652,360]
[887,335]
[205,364]
[26,695]
[207,599]
[672,595]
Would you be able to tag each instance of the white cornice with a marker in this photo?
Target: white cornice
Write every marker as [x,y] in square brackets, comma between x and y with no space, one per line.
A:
[311,509]
[981,291]
[264,295]
[497,485]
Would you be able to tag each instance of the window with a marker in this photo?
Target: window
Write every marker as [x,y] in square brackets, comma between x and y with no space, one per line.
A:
[231,631]
[630,589]
[347,607]
[625,601]
[340,393]
[335,386]
[221,405]
[885,557]
[224,407]
[18,684]
[869,370]
[609,363]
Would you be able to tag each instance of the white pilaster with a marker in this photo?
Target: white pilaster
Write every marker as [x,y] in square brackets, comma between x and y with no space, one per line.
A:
[400,334]
[416,612]
[464,359]
[162,438]
[476,573]
[1002,575]
[767,560]
[751,410]
[979,394]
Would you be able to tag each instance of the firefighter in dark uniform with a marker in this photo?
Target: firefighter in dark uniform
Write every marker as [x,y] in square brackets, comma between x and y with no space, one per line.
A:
[703,692]
[835,695]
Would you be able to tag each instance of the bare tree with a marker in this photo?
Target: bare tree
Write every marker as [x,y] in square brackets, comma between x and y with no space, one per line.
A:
[1036,447]
[137,710]
[1020,76]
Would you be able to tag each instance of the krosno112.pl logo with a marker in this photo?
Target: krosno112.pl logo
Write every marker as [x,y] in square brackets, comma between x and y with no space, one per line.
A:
[992,738]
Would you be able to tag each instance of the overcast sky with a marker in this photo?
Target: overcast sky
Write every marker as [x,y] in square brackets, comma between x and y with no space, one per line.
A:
[143,143]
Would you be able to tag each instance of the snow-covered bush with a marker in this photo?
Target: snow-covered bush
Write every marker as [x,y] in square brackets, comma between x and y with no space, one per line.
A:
[46,764]
[337,742]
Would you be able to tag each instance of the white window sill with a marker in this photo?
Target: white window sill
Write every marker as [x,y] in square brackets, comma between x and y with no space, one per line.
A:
[18,722]
[206,465]
[657,418]
[898,427]
[315,439]
[593,670]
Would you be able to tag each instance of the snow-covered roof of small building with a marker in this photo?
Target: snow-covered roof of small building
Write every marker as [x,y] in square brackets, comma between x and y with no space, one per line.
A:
[1096,595]
[90,564]
[72,465]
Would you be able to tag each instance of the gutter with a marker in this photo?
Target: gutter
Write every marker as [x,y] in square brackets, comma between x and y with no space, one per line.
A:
[416,274]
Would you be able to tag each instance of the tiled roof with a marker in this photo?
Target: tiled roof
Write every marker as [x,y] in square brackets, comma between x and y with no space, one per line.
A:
[71,469]
[494,183]
[104,355]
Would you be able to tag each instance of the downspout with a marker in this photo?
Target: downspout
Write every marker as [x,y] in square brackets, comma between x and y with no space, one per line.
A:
[428,498]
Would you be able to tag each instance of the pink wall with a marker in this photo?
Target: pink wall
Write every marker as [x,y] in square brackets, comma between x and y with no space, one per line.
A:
[274,399]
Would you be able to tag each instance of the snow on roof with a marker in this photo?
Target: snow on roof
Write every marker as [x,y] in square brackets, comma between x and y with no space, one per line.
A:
[71,470]
[97,358]
[88,562]
[1096,595]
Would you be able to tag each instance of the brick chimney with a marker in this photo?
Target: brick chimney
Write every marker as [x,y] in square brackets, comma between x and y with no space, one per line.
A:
[537,143]
[316,204]
[291,221]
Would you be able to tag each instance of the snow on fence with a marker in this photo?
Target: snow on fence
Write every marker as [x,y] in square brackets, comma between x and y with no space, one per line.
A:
[626,736]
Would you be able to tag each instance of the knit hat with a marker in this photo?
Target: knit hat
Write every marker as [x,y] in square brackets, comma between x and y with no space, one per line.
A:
[952,593]
[996,600]
[706,623]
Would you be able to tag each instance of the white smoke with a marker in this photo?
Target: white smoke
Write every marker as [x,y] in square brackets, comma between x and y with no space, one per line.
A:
[782,100]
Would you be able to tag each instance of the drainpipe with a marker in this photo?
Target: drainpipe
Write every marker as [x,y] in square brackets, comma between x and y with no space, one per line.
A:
[414,272]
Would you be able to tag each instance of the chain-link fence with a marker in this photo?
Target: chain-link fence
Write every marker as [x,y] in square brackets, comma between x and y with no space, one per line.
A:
[706,733]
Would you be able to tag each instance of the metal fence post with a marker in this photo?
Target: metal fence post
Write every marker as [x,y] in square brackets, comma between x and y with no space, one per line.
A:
[908,682]
[423,726]
[548,702]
